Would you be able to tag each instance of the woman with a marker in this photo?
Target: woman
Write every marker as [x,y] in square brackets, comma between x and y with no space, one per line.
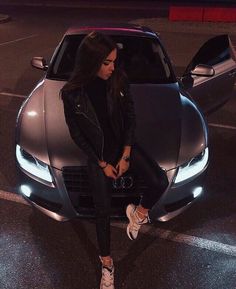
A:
[99,112]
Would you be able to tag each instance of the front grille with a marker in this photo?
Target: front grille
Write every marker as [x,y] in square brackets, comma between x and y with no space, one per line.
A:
[77,184]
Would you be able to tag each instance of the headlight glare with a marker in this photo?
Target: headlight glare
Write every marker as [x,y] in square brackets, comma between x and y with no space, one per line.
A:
[197,192]
[26,190]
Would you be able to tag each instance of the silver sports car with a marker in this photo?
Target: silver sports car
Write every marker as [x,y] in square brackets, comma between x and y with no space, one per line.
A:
[170,124]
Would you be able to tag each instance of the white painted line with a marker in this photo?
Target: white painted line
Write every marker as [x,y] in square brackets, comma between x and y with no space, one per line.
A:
[222,126]
[12,94]
[185,239]
[12,197]
[18,39]
[197,242]
[156,232]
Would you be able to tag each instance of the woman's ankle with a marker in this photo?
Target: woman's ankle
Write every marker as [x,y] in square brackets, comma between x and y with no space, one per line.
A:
[106,261]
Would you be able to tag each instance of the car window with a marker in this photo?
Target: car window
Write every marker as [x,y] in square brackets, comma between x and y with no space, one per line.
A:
[142,58]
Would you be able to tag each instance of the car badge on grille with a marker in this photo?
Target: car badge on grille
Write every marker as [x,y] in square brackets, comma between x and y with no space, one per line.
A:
[123,183]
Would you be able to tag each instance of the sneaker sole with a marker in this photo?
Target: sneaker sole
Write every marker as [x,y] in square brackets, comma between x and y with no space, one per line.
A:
[128,226]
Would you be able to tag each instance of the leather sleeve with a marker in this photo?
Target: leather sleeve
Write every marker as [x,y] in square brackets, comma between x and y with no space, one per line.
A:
[129,116]
[75,131]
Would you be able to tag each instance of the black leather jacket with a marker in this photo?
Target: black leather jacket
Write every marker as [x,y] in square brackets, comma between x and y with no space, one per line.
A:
[84,126]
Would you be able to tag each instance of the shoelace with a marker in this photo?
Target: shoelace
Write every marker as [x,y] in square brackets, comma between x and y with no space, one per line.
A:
[107,276]
[137,222]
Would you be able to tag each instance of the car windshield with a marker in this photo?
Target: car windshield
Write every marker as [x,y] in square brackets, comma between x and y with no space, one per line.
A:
[142,58]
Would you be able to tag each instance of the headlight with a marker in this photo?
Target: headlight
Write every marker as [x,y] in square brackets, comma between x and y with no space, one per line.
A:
[33,166]
[194,167]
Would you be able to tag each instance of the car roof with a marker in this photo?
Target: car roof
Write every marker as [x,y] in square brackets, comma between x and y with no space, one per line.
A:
[112,28]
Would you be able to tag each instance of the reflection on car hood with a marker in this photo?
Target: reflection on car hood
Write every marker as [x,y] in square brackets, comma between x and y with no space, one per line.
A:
[158,113]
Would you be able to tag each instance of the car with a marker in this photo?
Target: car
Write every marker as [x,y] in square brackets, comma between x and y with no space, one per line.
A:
[171,124]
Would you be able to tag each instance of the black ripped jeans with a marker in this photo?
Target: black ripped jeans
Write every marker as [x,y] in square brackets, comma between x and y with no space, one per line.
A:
[101,187]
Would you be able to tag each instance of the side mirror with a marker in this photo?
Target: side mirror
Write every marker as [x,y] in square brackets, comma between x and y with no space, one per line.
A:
[39,63]
[203,70]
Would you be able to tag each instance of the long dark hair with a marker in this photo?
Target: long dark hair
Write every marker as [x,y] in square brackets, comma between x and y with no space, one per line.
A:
[93,50]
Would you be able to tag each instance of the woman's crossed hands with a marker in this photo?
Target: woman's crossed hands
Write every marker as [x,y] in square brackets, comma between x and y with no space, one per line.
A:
[115,172]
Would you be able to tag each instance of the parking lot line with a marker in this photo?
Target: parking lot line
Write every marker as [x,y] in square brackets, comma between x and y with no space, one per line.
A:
[18,39]
[12,197]
[185,239]
[153,231]
[222,126]
[12,94]
[197,242]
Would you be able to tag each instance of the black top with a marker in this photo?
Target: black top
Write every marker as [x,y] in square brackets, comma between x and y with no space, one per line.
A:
[97,93]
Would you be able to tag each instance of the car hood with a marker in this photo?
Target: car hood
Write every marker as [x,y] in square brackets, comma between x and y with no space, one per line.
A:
[160,120]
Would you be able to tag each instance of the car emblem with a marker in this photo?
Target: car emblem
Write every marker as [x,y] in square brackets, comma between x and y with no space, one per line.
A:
[123,183]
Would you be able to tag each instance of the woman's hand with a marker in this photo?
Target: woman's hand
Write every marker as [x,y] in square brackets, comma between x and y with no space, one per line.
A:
[122,167]
[110,171]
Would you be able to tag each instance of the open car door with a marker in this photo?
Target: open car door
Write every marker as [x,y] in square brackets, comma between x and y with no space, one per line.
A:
[211,75]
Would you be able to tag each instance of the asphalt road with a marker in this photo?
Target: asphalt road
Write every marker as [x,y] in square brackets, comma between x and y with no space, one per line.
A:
[195,250]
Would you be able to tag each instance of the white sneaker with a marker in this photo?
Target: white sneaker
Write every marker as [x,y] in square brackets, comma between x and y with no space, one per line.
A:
[135,222]
[107,280]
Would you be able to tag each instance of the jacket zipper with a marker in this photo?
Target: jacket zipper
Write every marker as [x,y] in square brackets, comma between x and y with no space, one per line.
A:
[98,128]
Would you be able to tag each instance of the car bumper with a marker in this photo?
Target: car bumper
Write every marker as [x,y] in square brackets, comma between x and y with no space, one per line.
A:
[177,198]
[51,201]
[58,204]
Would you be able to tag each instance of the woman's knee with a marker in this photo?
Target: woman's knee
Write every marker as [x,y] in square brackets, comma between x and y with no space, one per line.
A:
[164,182]
[160,182]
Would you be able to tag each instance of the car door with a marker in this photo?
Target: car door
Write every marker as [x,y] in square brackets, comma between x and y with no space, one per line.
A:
[211,83]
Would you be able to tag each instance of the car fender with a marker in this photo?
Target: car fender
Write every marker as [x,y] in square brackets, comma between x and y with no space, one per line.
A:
[31,125]
[194,131]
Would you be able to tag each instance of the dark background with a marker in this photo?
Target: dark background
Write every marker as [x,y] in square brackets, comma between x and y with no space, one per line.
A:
[193,2]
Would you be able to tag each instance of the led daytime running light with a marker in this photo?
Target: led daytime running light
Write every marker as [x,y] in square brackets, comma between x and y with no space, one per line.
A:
[192,169]
[33,166]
